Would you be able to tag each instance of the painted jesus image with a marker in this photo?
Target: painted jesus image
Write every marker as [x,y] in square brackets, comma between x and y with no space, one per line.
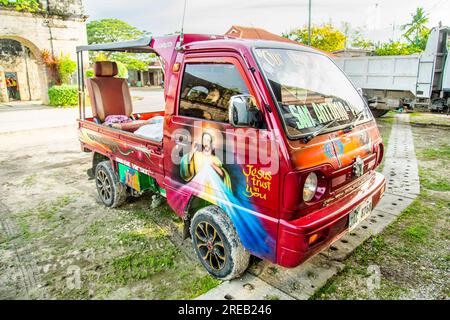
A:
[203,167]
[206,178]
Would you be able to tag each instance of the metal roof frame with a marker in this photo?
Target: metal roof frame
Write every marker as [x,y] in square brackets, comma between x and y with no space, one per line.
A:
[137,46]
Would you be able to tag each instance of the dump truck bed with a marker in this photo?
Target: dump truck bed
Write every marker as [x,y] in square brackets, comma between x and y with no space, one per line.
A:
[398,73]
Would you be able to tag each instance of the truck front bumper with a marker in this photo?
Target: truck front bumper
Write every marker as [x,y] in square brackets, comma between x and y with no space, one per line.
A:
[325,225]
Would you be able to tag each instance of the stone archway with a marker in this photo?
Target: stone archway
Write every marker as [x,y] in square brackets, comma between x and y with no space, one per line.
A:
[33,81]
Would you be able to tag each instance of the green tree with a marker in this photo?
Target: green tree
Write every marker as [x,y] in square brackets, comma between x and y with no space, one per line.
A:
[392,48]
[114,30]
[359,41]
[362,43]
[22,5]
[416,31]
[324,37]
[111,30]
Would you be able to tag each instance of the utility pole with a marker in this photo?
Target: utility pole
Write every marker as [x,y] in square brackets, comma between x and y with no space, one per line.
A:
[309,24]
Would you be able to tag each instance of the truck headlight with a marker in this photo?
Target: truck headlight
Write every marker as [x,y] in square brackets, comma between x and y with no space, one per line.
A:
[310,187]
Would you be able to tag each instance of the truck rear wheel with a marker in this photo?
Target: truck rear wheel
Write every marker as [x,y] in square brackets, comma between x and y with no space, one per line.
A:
[217,244]
[377,113]
[110,190]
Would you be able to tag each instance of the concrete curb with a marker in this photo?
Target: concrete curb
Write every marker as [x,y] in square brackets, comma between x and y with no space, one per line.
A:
[266,279]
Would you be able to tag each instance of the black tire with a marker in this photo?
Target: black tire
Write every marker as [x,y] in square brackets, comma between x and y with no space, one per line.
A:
[217,244]
[111,192]
[379,112]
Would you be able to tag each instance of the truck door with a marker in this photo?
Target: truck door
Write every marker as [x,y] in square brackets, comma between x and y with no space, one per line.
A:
[213,161]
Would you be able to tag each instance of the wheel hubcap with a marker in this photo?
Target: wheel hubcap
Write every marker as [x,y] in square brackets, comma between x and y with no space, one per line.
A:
[104,186]
[210,245]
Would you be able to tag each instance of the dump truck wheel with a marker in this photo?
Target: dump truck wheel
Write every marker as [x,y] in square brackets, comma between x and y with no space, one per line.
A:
[217,244]
[110,190]
[378,112]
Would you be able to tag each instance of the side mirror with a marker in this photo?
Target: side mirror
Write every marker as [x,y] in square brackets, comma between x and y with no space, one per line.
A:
[360,91]
[243,112]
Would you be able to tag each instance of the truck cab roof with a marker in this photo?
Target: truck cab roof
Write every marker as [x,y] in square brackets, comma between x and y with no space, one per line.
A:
[233,43]
[190,42]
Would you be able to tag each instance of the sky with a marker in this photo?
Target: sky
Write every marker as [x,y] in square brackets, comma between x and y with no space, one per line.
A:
[379,20]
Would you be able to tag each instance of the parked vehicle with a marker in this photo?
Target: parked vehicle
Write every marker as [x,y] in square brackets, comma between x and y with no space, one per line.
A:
[409,81]
[264,148]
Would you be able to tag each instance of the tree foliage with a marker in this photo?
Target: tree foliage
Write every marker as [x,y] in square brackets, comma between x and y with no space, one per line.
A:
[114,30]
[111,30]
[66,68]
[416,30]
[415,38]
[22,5]
[359,41]
[324,37]
[61,96]
[415,33]
[392,48]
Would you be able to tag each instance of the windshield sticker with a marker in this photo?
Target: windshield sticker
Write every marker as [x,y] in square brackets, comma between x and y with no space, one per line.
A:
[272,58]
[322,113]
[303,117]
[297,58]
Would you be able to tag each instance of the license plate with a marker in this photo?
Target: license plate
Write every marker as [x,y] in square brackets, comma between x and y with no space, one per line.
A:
[359,214]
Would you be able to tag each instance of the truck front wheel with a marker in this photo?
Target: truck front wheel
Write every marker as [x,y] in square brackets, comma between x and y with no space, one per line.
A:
[217,244]
[110,190]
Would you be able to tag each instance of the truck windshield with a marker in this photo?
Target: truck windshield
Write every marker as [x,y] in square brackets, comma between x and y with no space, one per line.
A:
[311,91]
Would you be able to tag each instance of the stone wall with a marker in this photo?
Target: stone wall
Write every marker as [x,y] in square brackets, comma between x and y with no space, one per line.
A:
[58,28]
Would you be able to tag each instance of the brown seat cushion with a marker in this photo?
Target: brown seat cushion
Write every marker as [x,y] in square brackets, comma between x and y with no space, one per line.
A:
[109,95]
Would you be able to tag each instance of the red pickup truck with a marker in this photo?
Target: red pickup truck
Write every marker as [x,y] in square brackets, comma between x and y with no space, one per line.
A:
[264,148]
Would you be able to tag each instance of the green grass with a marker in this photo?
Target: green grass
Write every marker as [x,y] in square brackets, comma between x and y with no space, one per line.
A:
[385,126]
[142,237]
[30,180]
[416,233]
[370,253]
[423,118]
[198,286]
[45,212]
[24,228]
[141,265]
[431,180]
[443,152]
[131,238]
[48,210]
[94,228]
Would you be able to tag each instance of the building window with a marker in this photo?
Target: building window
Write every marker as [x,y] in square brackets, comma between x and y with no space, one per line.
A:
[207,88]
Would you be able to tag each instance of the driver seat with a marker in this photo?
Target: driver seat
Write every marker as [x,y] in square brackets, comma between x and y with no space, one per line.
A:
[110,96]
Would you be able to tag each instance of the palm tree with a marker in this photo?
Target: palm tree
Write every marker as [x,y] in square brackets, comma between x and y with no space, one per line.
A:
[416,26]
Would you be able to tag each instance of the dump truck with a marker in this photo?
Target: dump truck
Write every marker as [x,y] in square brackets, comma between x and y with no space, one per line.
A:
[404,81]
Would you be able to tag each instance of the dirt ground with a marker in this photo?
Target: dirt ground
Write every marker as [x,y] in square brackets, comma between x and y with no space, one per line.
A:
[411,257]
[58,241]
